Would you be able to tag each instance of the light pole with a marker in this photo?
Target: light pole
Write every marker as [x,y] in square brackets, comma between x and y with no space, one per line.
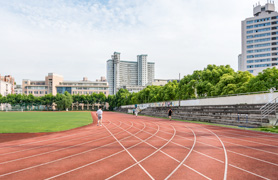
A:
[179,89]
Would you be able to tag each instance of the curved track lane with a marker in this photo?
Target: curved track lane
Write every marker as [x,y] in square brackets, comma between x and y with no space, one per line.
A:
[128,147]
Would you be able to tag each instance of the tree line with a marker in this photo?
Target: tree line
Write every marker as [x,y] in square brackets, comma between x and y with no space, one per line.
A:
[211,81]
[62,101]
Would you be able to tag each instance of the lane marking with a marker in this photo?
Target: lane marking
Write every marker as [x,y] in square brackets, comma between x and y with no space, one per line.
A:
[34,138]
[35,155]
[49,162]
[249,172]
[169,157]
[33,142]
[130,155]
[102,158]
[53,143]
[230,150]
[157,149]
[182,162]
[210,156]
[226,157]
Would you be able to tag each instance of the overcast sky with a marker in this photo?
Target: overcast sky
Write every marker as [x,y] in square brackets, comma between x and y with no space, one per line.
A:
[75,38]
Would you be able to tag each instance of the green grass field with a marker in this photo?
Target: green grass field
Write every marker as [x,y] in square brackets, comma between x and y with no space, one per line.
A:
[33,122]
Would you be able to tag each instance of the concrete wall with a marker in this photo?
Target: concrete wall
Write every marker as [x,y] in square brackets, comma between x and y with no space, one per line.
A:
[231,100]
[244,99]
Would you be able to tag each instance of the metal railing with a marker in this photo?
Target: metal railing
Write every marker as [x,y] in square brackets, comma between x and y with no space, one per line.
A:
[268,108]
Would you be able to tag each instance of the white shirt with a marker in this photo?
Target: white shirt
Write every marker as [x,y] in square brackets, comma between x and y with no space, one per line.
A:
[99,112]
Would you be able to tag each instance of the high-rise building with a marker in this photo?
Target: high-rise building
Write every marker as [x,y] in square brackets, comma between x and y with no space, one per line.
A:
[259,41]
[131,75]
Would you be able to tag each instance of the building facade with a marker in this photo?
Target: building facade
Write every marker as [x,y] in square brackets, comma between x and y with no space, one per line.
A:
[55,83]
[7,85]
[131,75]
[84,87]
[259,40]
[18,89]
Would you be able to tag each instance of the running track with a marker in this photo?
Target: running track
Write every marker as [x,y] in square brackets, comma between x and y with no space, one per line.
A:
[126,147]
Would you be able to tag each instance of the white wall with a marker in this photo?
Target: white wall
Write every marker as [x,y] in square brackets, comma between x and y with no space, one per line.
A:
[231,100]
[244,99]
[5,88]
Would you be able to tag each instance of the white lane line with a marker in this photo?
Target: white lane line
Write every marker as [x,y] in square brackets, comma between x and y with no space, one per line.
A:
[238,136]
[213,157]
[157,149]
[49,162]
[56,150]
[249,172]
[130,154]
[55,143]
[182,162]
[103,158]
[226,157]
[196,171]
[237,145]
[48,139]
[9,145]
[248,147]
[208,155]
[170,157]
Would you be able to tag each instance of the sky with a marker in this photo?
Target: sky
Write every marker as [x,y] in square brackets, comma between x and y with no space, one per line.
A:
[75,38]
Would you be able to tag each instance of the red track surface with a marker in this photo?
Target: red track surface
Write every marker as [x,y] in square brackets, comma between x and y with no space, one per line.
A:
[126,147]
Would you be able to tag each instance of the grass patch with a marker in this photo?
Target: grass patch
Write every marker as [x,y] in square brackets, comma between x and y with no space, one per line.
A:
[272,129]
[34,122]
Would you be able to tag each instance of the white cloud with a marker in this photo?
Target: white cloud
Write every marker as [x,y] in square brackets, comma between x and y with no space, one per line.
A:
[75,38]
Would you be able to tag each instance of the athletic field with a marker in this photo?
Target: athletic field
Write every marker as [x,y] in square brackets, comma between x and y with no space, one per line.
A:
[34,122]
[126,147]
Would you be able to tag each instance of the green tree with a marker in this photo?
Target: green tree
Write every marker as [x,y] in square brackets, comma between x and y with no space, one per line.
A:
[264,81]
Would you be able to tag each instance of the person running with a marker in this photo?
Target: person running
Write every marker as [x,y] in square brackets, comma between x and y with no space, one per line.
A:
[170,114]
[99,116]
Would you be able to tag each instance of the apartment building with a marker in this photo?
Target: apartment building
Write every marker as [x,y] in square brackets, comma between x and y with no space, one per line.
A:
[130,75]
[7,84]
[55,83]
[259,40]
[84,87]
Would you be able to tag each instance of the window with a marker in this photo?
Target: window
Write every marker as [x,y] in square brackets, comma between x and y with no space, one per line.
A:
[262,50]
[249,27]
[248,37]
[250,66]
[249,42]
[262,45]
[260,25]
[249,22]
[262,35]
[248,32]
[262,60]
[263,65]
[251,71]
[262,30]
[262,40]
[250,46]
[261,20]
